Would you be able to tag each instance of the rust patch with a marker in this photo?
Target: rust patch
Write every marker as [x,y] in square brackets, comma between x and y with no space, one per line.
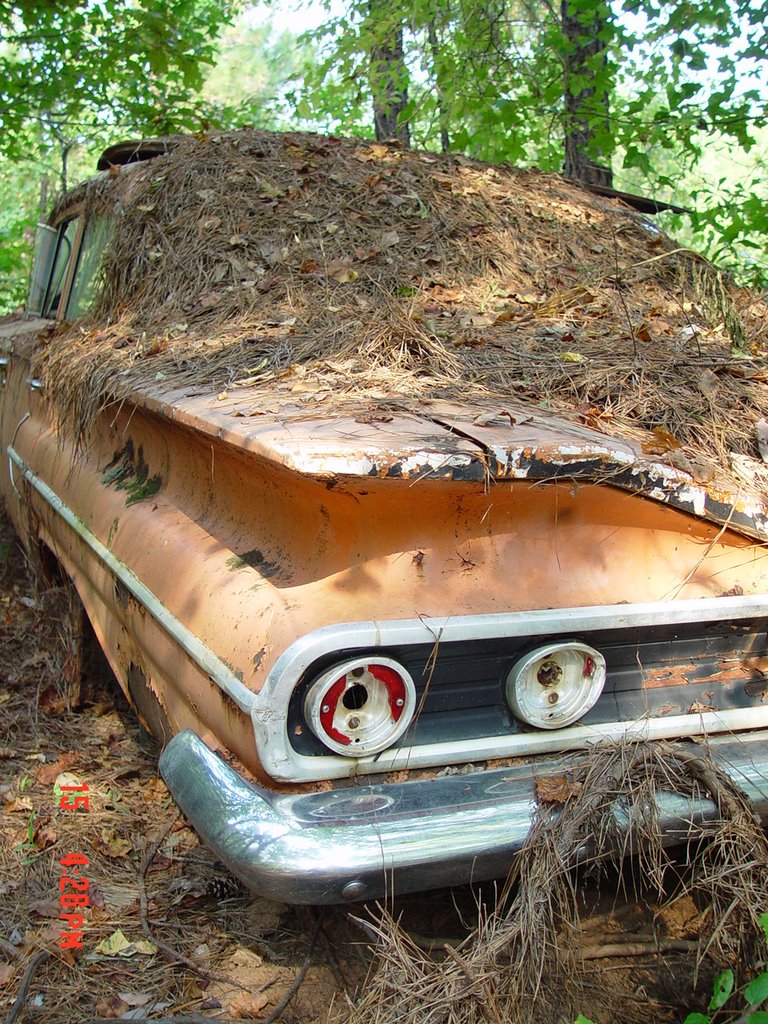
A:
[230,705]
[672,675]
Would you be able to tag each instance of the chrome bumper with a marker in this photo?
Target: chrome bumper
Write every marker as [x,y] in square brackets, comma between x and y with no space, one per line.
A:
[366,841]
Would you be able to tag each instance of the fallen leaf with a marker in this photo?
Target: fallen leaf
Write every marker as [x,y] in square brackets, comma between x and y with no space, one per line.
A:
[388,239]
[134,998]
[364,255]
[7,972]
[591,415]
[45,908]
[208,300]
[571,357]
[118,945]
[556,789]
[661,443]
[20,806]
[373,418]
[245,1006]
[208,223]
[66,779]
[447,294]
[46,774]
[113,846]
[308,267]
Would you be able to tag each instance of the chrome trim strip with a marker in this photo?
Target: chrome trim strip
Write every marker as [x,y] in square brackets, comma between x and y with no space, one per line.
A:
[372,840]
[200,653]
[270,707]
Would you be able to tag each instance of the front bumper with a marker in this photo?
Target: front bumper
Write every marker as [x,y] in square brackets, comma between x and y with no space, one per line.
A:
[367,841]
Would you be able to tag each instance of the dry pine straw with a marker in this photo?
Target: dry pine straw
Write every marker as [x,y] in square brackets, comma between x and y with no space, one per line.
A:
[241,257]
[522,962]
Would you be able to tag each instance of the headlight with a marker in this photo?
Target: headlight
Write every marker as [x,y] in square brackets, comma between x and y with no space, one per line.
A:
[554,686]
[361,707]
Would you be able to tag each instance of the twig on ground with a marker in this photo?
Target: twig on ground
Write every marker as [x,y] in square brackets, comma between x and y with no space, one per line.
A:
[298,980]
[18,1004]
[610,949]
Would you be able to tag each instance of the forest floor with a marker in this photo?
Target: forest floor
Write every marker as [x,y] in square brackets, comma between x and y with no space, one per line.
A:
[168,934]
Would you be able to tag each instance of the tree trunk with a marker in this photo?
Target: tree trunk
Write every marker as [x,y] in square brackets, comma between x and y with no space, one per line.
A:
[434,45]
[586,105]
[388,74]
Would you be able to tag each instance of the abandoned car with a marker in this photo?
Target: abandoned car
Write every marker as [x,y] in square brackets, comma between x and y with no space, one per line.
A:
[391,483]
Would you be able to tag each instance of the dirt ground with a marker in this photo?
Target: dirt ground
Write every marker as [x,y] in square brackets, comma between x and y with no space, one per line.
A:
[168,934]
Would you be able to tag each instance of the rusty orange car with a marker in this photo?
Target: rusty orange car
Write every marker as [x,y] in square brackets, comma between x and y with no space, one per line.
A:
[363,619]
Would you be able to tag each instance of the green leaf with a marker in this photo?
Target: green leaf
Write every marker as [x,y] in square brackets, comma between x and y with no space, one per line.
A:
[758,1017]
[757,991]
[721,989]
[763,919]
[697,1018]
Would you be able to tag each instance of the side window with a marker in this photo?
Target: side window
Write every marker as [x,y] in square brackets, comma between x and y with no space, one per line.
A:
[67,261]
[83,290]
[65,251]
[46,238]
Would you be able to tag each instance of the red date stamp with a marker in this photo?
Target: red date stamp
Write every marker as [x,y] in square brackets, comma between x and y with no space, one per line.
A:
[73,885]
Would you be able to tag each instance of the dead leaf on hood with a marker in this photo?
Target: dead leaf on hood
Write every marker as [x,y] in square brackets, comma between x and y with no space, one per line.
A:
[661,443]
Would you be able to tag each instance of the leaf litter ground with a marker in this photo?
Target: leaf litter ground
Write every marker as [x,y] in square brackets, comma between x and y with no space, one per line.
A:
[355,269]
[172,938]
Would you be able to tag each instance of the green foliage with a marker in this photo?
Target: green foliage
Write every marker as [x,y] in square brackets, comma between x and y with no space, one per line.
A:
[253,80]
[65,67]
[754,994]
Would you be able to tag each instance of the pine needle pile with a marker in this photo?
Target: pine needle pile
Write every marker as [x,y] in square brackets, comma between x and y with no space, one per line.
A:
[242,257]
[523,961]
